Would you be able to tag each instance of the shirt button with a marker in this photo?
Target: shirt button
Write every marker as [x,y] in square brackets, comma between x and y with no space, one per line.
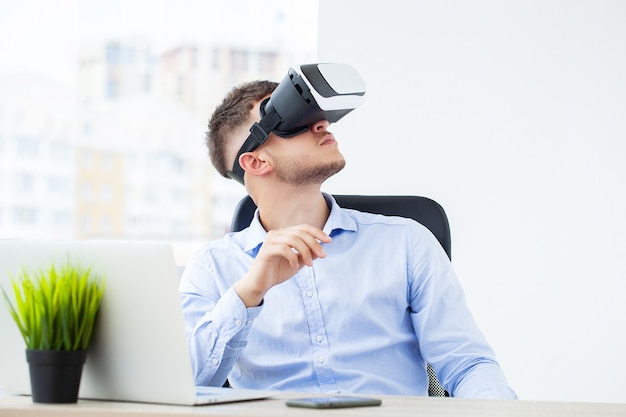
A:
[319,338]
[321,359]
[309,293]
[215,361]
[238,322]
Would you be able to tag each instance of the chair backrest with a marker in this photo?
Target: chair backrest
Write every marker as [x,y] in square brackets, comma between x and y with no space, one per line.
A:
[421,209]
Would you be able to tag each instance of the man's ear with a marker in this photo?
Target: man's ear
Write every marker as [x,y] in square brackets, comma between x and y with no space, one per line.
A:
[254,164]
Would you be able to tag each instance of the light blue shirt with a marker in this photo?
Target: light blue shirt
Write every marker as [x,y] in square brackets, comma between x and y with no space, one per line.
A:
[365,319]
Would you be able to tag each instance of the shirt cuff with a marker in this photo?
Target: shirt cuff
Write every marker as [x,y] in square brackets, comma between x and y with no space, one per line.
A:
[231,316]
[485,382]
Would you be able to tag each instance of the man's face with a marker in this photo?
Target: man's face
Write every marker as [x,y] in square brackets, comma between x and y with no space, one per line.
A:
[308,158]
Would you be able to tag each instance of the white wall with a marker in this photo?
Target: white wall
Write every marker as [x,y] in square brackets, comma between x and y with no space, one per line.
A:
[512,114]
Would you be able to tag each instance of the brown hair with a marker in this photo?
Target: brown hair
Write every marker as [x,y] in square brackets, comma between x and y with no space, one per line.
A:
[229,115]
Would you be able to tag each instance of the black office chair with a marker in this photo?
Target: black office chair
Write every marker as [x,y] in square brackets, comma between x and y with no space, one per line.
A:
[421,209]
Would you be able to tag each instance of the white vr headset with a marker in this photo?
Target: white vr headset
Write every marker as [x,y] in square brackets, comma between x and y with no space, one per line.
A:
[308,94]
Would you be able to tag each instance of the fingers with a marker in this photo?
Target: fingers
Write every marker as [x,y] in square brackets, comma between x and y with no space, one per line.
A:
[299,245]
[282,254]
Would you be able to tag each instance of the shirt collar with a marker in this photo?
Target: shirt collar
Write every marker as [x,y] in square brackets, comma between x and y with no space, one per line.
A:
[338,220]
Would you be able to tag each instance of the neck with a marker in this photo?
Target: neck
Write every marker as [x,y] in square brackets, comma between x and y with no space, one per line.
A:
[290,206]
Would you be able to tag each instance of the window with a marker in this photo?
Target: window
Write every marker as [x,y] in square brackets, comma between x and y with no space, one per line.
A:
[24,183]
[85,223]
[106,194]
[267,61]
[27,146]
[112,54]
[106,225]
[60,187]
[215,60]
[60,151]
[108,162]
[239,60]
[86,159]
[86,193]
[26,216]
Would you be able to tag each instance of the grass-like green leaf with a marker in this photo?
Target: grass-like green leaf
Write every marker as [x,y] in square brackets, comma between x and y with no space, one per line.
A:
[56,307]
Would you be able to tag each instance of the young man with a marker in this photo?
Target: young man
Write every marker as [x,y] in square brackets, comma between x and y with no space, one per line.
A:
[313,297]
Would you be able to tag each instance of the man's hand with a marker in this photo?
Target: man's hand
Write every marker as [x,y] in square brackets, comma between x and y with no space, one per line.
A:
[282,254]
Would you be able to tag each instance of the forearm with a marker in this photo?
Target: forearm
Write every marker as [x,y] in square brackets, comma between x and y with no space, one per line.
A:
[251,295]
[450,338]
[217,337]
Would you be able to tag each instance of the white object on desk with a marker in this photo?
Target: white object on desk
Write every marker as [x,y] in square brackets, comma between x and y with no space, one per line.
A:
[139,350]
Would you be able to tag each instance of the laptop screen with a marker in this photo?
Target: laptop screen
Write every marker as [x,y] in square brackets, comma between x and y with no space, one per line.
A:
[139,351]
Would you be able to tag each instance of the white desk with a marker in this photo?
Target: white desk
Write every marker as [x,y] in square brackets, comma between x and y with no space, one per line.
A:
[275,407]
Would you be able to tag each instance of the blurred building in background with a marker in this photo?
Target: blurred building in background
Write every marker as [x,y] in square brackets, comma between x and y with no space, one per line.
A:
[39,131]
[122,155]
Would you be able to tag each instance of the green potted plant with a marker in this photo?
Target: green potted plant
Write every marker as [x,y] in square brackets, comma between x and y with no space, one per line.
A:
[55,309]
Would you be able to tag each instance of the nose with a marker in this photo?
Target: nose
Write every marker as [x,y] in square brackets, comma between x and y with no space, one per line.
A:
[320,126]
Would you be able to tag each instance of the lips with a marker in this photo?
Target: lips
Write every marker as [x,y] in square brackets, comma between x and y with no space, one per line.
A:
[328,139]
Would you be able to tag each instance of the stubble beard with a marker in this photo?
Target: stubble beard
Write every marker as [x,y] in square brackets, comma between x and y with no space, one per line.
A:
[297,173]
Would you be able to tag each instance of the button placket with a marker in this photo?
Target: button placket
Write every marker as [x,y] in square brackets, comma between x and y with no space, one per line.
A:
[317,331]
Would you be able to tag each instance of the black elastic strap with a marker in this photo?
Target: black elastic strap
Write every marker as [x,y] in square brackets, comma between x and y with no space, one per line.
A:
[259,132]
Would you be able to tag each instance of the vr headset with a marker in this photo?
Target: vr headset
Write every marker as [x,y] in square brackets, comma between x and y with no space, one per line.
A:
[306,95]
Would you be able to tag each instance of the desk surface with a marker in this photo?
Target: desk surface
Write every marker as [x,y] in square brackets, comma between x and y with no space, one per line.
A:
[275,407]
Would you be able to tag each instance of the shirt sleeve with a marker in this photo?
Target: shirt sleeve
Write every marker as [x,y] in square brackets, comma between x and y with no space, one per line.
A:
[450,340]
[484,381]
[217,324]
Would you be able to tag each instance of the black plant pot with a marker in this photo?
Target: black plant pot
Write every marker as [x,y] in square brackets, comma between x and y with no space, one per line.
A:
[55,374]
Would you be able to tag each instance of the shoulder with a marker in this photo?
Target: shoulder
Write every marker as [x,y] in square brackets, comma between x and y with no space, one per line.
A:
[395,231]
[365,219]
[214,264]
[227,246]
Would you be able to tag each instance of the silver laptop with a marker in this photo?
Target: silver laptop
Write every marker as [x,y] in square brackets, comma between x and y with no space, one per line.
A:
[139,351]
